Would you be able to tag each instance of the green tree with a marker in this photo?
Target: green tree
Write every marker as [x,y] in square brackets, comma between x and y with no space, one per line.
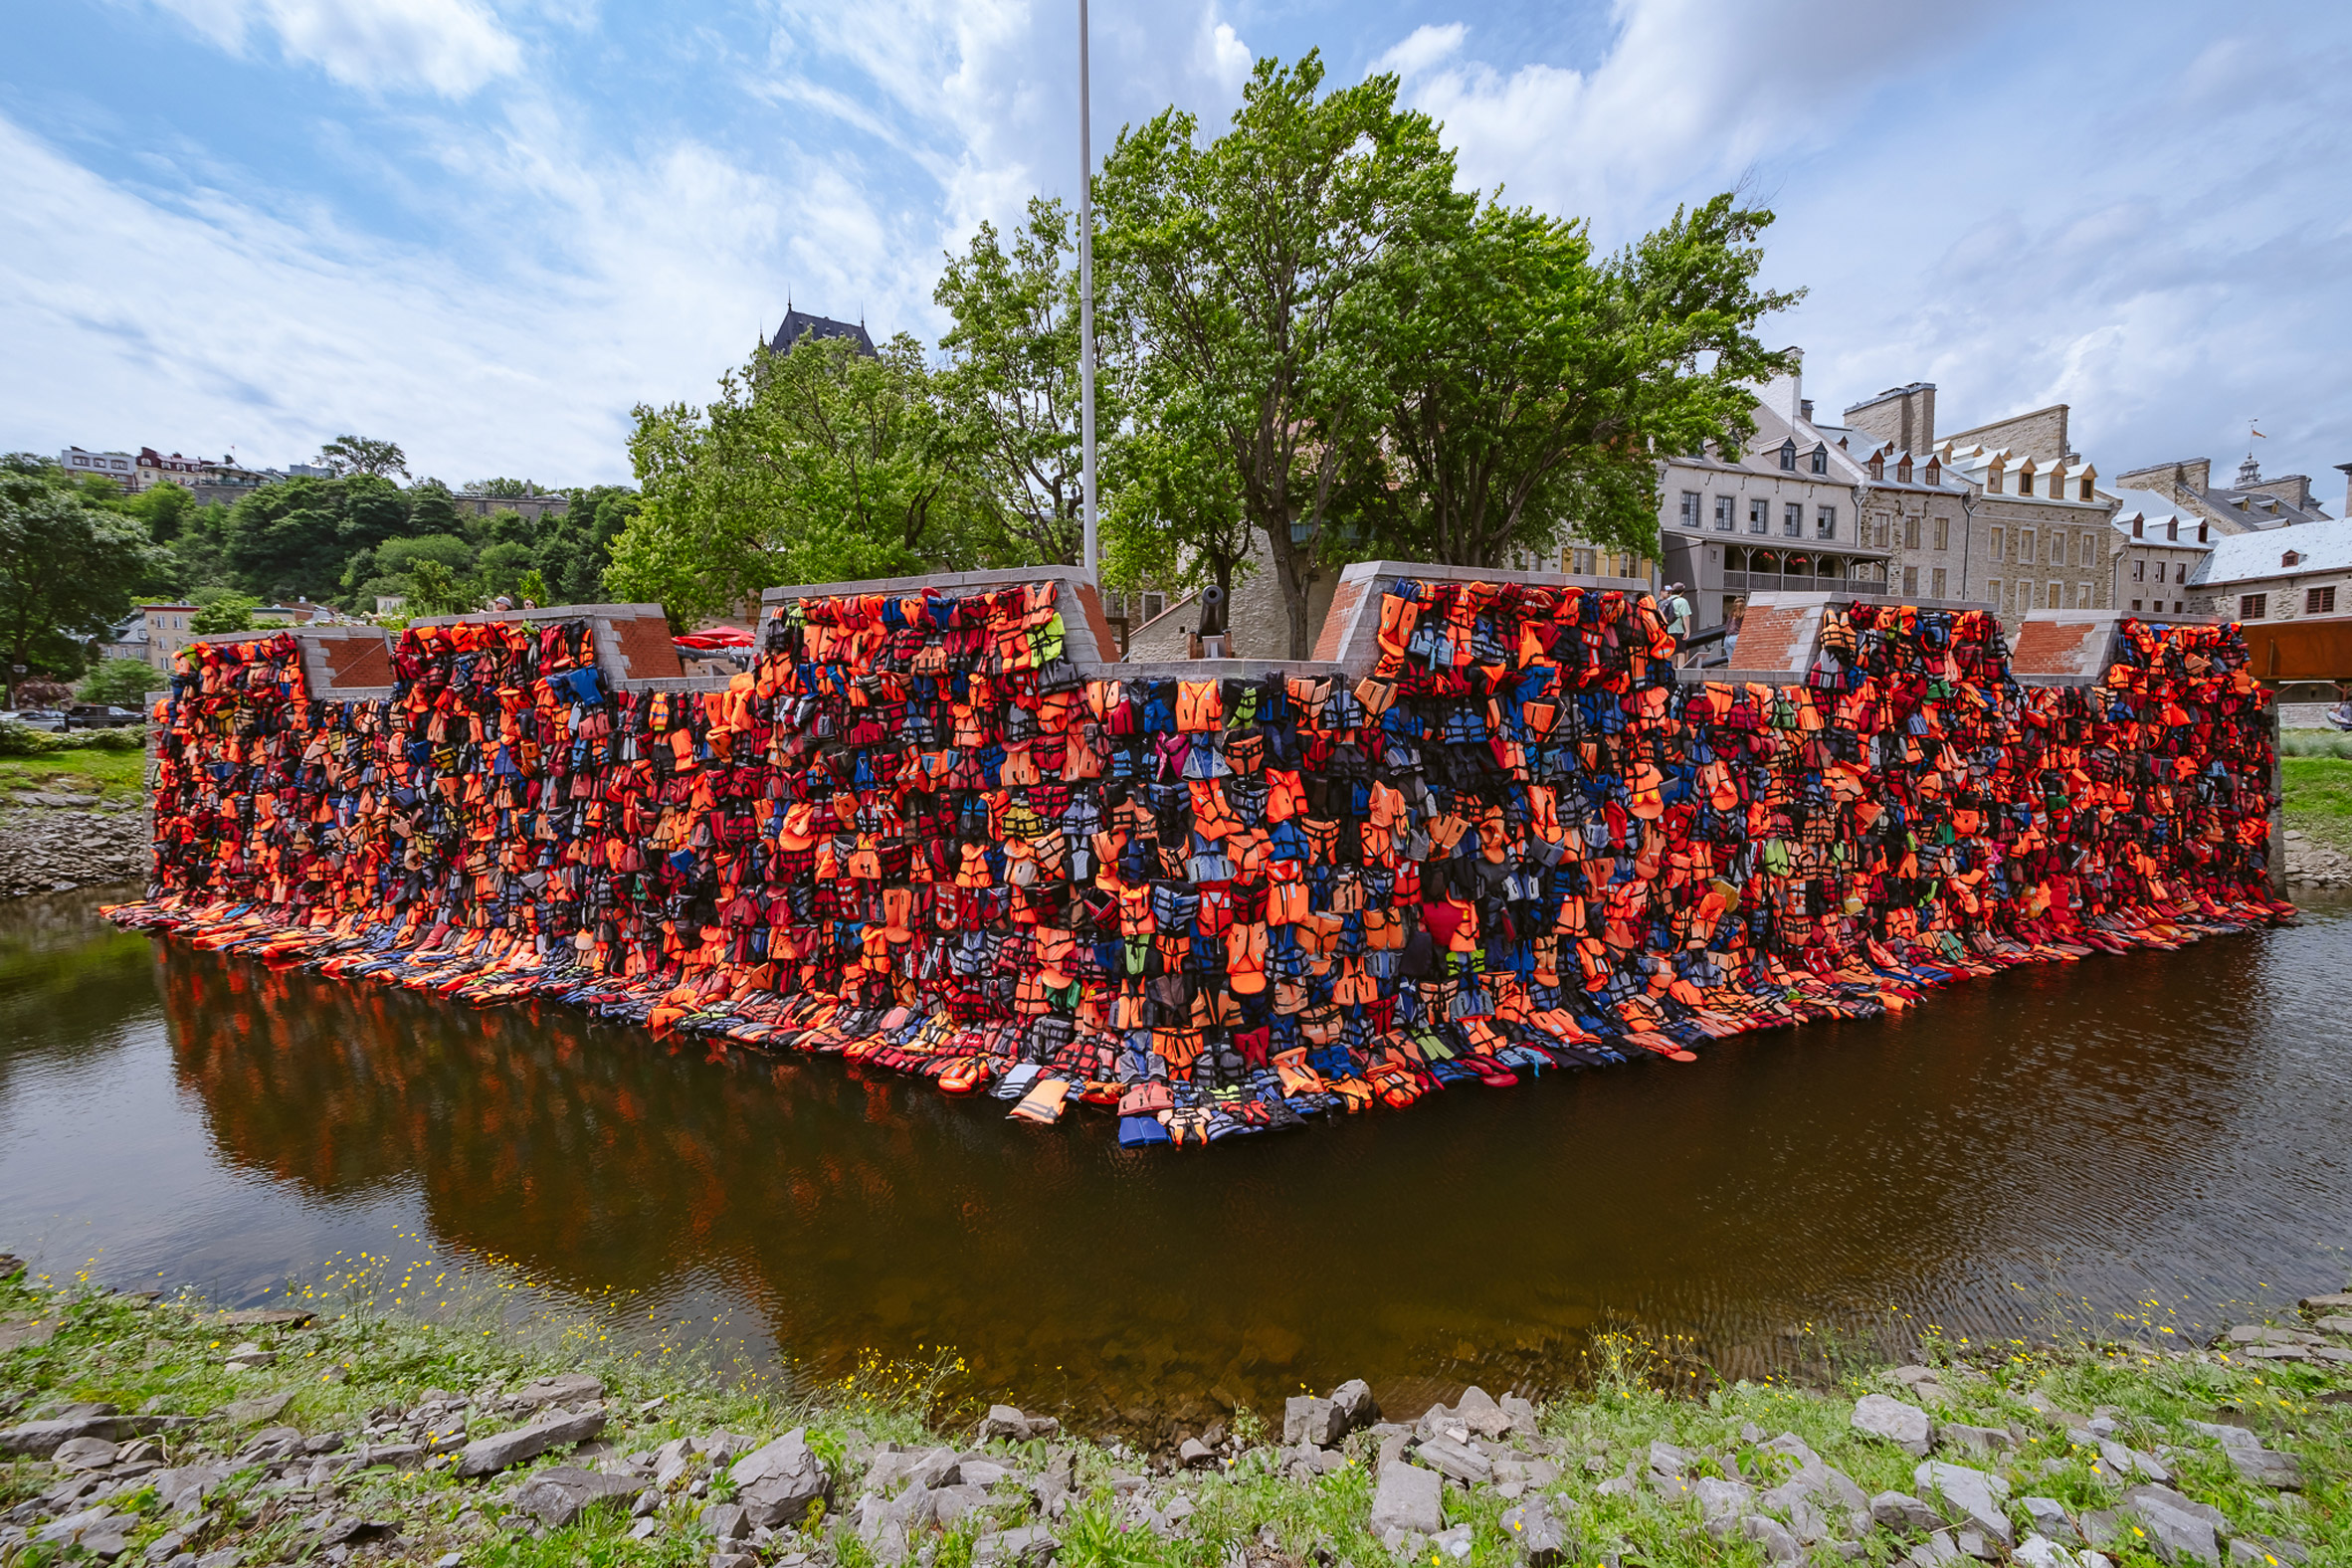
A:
[436,590]
[166,508]
[1528,387]
[502,487]
[532,589]
[121,683]
[298,536]
[1235,263]
[432,509]
[231,611]
[810,465]
[362,455]
[67,567]
[1175,516]
[1012,386]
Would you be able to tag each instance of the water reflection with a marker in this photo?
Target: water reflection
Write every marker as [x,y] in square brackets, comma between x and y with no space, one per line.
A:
[2163,1124]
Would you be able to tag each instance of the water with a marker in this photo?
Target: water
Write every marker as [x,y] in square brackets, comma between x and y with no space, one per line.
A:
[2060,1143]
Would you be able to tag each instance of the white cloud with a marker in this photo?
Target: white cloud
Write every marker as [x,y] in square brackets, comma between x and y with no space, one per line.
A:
[448,46]
[1422,48]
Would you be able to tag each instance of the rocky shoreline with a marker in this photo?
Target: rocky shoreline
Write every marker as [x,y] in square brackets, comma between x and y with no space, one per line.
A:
[57,843]
[290,1434]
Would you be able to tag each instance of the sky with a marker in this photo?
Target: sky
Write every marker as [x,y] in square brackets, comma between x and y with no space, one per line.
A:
[487,229]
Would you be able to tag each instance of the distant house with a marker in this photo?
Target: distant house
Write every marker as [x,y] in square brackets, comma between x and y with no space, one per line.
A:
[151,634]
[2250,505]
[120,466]
[2279,574]
[2161,556]
[799,324]
[531,507]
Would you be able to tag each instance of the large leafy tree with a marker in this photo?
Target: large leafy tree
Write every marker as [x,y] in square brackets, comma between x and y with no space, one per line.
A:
[364,455]
[297,536]
[68,565]
[1235,263]
[1528,385]
[815,464]
[1012,389]
[1174,517]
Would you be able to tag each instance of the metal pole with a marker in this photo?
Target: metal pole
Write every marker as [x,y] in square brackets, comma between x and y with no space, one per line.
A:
[1092,560]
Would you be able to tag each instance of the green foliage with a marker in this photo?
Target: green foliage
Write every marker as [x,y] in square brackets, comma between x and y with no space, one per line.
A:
[297,537]
[502,487]
[363,456]
[1012,387]
[531,588]
[226,614]
[166,508]
[810,465]
[434,589]
[68,565]
[2314,743]
[1235,263]
[1527,387]
[122,682]
[1174,519]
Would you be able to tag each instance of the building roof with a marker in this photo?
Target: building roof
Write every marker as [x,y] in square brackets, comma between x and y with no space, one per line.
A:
[2153,511]
[2261,510]
[798,323]
[2324,546]
[1975,461]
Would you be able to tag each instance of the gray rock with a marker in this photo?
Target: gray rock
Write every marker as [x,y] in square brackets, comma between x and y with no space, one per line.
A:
[2268,1467]
[1454,1543]
[41,1439]
[987,1472]
[261,1408]
[1407,1497]
[2040,1551]
[1938,1551]
[1306,1419]
[1721,1503]
[1478,1412]
[726,1520]
[569,1388]
[486,1455]
[1353,1402]
[1192,1453]
[2267,1335]
[1464,1465]
[950,1503]
[1029,1547]
[2051,1518]
[933,1467]
[1904,1426]
[1981,1497]
[782,1481]
[1540,1539]
[559,1497]
[1667,1460]
[1003,1421]
[1779,1545]
[2124,1462]
[2179,1530]
[83,1453]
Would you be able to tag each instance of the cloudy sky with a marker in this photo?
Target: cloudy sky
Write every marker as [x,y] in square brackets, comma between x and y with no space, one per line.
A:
[487,228]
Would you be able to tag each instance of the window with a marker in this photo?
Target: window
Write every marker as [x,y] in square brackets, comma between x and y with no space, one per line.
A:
[2180,571]
[1903,471]
[2253,606]
[1691,508]
[1792,521]
[1788,456]
[1878,465]
[2140,571]
[1993,592]
[2135,604]
[2025,547]
[2081,595]
[1910,533]
[1724,514]
[1879,527]
[1992,482]
[2055,597]
[1824,524]
[2025,483]
[1943,533]
[2087,493]
[2319,601]
[1759,516]
[1998,541]
[2290,558]
[1937,584]
[1821,460]
[1910,582]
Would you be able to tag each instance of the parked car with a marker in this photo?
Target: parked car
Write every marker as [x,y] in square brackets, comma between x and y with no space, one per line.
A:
[101,715]
[48,718]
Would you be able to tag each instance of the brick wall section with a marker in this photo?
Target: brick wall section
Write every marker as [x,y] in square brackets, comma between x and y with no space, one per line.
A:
[647,653]
[2060,647]
[1351,592]
[356,660]
[1776,636]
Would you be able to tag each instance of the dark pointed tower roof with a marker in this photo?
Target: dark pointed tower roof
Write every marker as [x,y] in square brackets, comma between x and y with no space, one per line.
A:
[799,324]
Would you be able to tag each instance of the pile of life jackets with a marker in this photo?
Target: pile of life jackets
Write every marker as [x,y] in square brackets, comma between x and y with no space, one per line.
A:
[917,835]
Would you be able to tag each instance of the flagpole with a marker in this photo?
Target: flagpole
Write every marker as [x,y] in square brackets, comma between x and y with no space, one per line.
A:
[1093,560]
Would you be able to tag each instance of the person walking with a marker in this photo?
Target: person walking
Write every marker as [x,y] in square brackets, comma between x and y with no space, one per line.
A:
[1678,620]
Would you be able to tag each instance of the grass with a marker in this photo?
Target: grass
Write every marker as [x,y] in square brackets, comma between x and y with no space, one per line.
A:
[80,771]
[2318,795]
[366,1356]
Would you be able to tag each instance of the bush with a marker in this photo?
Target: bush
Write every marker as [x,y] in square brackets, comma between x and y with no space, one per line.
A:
[23,740]
[131,737]
[2314,743]
[122,683]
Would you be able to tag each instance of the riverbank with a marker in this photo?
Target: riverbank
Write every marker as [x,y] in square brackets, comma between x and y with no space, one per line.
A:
[165,1433]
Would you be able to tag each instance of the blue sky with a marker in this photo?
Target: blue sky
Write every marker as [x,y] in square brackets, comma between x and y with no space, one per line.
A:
[487,228]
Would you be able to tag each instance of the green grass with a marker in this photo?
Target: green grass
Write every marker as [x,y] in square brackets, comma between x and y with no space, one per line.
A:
[81,771]
[2318,792]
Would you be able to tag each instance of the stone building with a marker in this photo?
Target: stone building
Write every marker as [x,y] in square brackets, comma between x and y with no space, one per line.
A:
[2279,574]
[2249,505]
[1785,514]
[1911,508]
[2159,556]
[120,466]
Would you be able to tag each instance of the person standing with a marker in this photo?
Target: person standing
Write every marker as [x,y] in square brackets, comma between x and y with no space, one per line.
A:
[1677,618]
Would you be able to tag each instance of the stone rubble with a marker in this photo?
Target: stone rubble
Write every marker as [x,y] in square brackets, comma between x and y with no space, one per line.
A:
[50,843]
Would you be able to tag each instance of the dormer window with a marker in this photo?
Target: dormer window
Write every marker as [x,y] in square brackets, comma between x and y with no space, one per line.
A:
[2172,530]
[1788,456]
[2290,558]
[1878,465]
[1992,482]
[1821,460]
[1902,471]
[2139,527]
[2025,483]
[2087,493]
[1935,472]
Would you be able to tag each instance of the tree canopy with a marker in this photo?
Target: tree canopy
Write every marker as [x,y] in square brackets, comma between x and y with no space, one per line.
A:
[68,565]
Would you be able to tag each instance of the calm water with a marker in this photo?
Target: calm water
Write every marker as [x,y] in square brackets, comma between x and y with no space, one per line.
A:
[2077,1139]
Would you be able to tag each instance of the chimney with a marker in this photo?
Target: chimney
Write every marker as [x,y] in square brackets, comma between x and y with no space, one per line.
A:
[1785,394]
[2345,469]
[1804,409]
[1904,415]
